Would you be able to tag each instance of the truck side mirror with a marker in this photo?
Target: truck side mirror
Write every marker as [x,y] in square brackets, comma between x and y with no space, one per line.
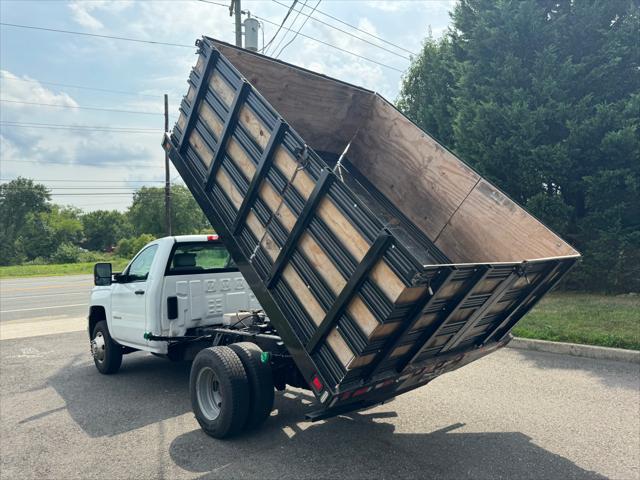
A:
[102,274]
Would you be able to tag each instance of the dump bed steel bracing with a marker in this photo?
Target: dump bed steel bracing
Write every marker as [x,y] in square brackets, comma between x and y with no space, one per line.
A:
[348,289]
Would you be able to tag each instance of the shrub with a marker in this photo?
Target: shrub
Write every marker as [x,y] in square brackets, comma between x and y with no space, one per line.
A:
[66,253]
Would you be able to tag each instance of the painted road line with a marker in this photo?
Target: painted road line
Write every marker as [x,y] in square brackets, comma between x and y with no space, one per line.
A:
[45,295]
[45,287]
[44,308]
[36,329]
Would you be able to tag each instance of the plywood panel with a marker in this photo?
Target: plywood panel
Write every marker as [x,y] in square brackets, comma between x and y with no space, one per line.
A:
[426,182]
[325,112]
[490,227]
[342,228]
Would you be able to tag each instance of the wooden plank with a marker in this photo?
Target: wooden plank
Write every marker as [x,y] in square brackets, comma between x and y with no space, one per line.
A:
[275,203]
[308,301]
[361,314]
[340,347]
[321,263]
[267,242]
[182,121]
[211,120]
[240,158]
[222,88]
[423,180]
[355,243]
[201,148]
[387,280]
[302,182]
[490,227]
[325,112]
[254,126]
[361,361]
[229,188]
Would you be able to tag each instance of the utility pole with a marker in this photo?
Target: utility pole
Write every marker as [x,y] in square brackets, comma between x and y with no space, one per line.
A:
[238,12]
[167,179]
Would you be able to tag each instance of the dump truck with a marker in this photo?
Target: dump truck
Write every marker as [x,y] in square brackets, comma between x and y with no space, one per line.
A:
[378,258]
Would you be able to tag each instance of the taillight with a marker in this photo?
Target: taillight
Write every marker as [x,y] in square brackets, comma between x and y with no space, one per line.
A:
[317,384]
[212,238]
[361,391]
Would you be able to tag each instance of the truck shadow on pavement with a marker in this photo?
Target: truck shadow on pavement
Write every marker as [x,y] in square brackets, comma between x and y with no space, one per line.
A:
[363,445]
[354,446]
[123,399]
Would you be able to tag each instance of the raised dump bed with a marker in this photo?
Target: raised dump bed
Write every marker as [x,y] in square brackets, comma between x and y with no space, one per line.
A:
[381,258]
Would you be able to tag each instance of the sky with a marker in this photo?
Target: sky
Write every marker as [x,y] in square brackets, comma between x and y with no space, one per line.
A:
[90,168]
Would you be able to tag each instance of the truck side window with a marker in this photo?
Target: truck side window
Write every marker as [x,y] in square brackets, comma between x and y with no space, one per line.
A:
[139,268]
[199,258]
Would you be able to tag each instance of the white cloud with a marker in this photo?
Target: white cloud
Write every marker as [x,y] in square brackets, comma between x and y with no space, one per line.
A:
[81,11]
[27,89]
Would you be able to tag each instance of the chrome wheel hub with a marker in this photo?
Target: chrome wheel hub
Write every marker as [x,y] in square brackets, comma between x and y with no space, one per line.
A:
[98,347]
[208,393]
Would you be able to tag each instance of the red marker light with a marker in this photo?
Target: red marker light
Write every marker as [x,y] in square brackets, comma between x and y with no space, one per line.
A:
[317,384]
[212,238]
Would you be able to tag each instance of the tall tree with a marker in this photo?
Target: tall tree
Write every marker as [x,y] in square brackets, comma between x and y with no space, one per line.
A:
[104,228]
[544,101]
[146,213]
[19,198]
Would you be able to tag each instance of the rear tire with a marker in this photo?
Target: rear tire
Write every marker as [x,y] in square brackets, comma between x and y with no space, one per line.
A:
[260,382]
[107,354]
[219,392]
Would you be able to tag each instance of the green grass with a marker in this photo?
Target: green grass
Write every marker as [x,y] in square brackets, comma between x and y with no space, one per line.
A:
[57,269]
[605,320]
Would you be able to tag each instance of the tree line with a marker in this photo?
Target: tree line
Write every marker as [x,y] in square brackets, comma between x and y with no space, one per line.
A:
[36,230]
[543,98]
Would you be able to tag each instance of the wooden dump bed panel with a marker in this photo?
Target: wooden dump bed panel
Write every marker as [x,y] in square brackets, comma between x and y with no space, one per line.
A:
[351,303]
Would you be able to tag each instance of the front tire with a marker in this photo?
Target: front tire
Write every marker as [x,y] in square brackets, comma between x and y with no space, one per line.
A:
[219,391]
[107,354]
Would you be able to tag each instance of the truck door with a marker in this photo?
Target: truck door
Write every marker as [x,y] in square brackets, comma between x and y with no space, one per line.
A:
[128,299]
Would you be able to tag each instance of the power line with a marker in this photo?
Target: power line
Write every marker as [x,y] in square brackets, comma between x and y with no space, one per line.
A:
[77,107]
[91,164]
[352,26]
[83,181]
[355,36]
[80,128]
[304,4]
[111,37]
[81,87]
[324,43]
[299,29]
[334,46]
[265,47]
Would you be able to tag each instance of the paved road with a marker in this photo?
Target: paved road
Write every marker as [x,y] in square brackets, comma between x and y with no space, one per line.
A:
[513,414]
[44,297]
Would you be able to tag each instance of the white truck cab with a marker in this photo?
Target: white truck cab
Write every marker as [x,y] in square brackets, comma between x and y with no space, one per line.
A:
[170,286]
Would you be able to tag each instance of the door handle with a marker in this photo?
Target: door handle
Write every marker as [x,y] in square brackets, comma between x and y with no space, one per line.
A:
[139,292]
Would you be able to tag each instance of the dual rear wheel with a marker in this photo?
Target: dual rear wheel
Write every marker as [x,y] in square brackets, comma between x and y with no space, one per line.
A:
[231,389]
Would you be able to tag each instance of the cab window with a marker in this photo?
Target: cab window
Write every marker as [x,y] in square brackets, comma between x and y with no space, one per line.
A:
[141,265]
[199,258]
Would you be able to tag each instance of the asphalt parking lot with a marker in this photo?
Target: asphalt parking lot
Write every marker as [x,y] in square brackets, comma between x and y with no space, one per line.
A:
[513,414]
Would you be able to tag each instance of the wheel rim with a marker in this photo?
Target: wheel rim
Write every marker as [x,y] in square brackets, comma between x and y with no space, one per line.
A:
[98,347]
[209,393]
